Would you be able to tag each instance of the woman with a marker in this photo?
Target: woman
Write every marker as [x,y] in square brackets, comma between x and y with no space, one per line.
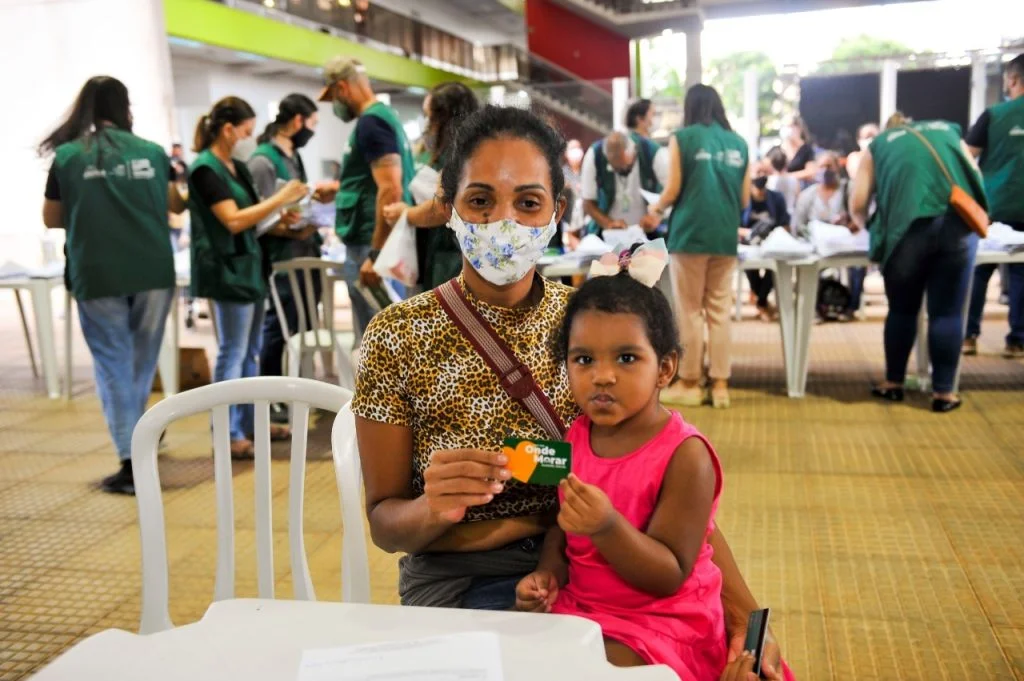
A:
[796,143]
[767,211]
[921,245]
[435,415]
[828,201]
[277,159]
[708,188]
[778,180]
[227,263]
[440,259]
[865,135]
[111,191]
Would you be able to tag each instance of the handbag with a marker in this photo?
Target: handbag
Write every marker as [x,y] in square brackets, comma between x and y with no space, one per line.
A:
[514,376]
[963,203]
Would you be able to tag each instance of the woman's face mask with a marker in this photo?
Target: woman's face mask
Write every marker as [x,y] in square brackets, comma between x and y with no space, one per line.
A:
[865,143]
[760,182]
[302,137]
[502,252]
[828,177]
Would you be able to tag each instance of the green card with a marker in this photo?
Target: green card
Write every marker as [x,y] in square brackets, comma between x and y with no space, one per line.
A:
[538,462]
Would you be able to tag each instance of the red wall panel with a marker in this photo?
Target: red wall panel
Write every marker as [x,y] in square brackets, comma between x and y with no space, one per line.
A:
[588,50]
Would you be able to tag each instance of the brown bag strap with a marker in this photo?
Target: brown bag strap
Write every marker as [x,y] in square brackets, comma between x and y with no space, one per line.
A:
[935,154]
[514,376]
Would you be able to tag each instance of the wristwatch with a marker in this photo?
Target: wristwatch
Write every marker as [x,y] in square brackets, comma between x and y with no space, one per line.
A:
[372,255]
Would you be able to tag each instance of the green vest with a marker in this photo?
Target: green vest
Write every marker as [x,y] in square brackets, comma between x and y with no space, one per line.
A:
[279,248]
[357,198]
[437,251]
[226,267]
[645,152]
[113,193]
[706,217]
[909,184]
[1002,161]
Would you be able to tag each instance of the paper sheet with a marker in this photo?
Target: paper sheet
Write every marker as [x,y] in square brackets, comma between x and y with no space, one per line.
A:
[650,197]
[474,656]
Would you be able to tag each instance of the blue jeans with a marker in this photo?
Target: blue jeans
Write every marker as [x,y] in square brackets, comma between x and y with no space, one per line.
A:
[1016,335]
[124,335]
[979,290]
[491,593]
[856,277]
[241,335]
[935,256]
[362,313]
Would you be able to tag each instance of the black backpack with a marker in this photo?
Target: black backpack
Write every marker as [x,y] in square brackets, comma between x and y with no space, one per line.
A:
[833,297]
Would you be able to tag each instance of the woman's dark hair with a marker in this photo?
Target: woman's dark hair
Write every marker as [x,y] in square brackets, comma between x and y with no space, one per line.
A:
[450,105]
[102,100]
[703,106]
[777,157]
[233,110]
[636,111]
[502,122]
[622,294]
[291,106]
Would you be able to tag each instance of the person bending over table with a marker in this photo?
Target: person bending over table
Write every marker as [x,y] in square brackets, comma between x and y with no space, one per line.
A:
[431,415]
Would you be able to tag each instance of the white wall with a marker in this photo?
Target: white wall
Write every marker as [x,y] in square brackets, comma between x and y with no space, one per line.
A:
[49,50]
[199,84]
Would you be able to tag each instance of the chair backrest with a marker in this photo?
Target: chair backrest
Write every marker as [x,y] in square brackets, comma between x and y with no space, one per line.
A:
[301,394]
[355,566]
[301,274]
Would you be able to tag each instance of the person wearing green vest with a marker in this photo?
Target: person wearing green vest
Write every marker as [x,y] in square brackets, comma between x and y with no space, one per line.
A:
[375,171]
[998,139]
[277,160]
[920,244]
[615,170]
[111,192]
[708,189]
[439,255]
[228,266]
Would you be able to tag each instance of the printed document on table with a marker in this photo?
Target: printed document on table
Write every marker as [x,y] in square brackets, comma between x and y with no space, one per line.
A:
[474,656]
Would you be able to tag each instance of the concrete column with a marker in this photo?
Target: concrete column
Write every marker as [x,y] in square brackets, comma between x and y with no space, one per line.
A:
[979,85]
[694,62]
[751,114]
[620,102]
[888,90]
[64,44]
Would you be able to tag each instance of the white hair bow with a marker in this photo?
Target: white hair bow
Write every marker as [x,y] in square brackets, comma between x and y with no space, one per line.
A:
[645,264]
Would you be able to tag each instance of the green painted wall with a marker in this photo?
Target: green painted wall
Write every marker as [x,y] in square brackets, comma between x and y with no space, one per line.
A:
[215,24]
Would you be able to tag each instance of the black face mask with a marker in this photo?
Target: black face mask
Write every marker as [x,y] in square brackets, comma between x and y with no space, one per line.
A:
[302,137]
[760,182]
[830,178]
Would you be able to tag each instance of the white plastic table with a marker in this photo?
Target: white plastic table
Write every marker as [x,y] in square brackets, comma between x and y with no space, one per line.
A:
[42,312]
[782,271]
[564,266]
[261,640]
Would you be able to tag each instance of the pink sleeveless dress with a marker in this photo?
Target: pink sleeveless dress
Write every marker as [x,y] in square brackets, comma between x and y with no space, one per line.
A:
[685,631]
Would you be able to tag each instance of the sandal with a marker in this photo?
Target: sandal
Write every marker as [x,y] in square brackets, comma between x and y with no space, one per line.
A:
[279,433]
[242,450]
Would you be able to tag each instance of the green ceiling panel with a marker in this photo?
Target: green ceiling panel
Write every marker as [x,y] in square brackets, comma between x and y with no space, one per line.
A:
[215,24]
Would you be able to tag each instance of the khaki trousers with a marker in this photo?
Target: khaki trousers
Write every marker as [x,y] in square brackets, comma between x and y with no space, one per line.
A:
[703,291]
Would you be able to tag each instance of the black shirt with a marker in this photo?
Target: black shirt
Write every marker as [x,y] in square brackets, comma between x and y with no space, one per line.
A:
[801,158]
[977,136]
[375,138]
[212,190]
[52,192]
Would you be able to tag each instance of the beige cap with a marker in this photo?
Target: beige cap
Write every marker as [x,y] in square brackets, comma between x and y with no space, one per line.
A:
[339,68]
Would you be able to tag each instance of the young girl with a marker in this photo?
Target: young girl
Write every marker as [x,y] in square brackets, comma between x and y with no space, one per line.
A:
[630,550]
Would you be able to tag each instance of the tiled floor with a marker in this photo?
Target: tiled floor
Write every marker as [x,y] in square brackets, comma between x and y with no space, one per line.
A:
[886,539]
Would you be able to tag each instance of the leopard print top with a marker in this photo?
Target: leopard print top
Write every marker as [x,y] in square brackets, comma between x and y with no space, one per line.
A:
[417,370]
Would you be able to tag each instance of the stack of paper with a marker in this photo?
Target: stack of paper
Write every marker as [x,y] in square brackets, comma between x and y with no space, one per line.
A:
[13,270]
[1002,238]
[474,656]
[782,245]
[829,240]
[621,239]
[592,245]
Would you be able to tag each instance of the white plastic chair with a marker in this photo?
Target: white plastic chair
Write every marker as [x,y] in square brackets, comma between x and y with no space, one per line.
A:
[355,564]
[301,394]
[313,334]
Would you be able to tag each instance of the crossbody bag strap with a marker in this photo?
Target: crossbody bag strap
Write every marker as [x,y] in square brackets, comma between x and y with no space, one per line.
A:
[514,376]
[935,154]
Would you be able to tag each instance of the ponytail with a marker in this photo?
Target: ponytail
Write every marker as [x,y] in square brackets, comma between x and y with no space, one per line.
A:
[233,110]
[291,106]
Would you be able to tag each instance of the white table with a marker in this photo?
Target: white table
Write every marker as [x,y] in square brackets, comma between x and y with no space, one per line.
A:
[260,640]
[42,311]
[782,271]
[565,266]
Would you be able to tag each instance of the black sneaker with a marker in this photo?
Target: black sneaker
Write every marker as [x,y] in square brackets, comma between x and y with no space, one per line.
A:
[1013,351]
[121,482]
[279,413]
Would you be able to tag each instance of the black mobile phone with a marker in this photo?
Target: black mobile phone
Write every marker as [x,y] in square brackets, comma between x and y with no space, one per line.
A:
[757,629]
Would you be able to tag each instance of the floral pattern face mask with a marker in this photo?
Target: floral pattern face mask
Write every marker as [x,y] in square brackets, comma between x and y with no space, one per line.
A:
[503,251]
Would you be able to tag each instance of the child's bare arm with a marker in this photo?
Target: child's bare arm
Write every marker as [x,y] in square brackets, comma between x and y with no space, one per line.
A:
[552,555]
[659,561]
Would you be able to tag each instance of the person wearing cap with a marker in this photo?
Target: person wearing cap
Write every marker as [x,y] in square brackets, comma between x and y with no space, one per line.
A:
[375,171]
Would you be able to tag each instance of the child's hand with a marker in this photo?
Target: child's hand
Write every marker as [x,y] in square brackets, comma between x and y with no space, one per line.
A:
[586,509]
[537,592]
[740,669]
